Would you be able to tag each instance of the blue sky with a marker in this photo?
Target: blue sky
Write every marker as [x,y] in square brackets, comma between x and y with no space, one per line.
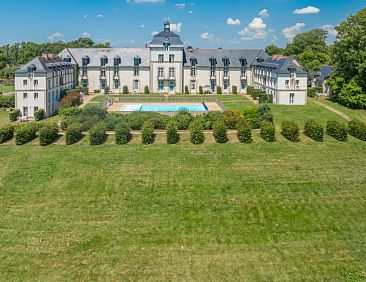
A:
[201,23]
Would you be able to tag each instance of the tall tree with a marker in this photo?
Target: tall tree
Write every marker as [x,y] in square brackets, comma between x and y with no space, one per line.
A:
[274,50]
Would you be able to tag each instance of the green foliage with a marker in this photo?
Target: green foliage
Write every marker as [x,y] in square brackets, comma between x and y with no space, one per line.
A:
[7,101]
[356,128]
[337,130]
[235,89]
[48,134]
[147,133]
[91,115]
[220,132]
[336,85]
[96,91]
[352,95]
[123,133]
[183,119]
[250,90]
[6,133]
[268,132]
[71,100]
[114,119]
[313,60]
[73,133]
[67,112]
[311,92]
[244,131]
[172,135]
[84,90]
[137,119]
[125,89]
[314,130]
[196,131]
[264,114]
[25,134]
[106,90]
[64,124]
[14,114]
[146,90]
[231,118]
[265,98]
[39,115]
[274,50]
[250,115]
[98,134]
[290,130]
[211,118]
[186,90]
[200,89]
[219,90]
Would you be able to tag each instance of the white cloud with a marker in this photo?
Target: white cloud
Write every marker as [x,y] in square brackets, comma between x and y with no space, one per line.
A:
[264,13]
[142,26]
[144,1]
[231,21]
[132,41]
[85,16]
[252,34]
[55,35]
[330,29]
[290,32]
[190,12]
[154,33]
[86,35]
[176,27]
[100,16]
[307,10]
[180,5]
[206,35]
[257,23]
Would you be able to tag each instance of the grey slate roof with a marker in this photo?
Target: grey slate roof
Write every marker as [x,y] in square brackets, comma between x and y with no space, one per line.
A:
[127,55]
[43,65]
[282,64]
[203,56]
[166,36]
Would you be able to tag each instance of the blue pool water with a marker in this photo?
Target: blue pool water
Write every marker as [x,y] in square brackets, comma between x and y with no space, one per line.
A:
[165,108]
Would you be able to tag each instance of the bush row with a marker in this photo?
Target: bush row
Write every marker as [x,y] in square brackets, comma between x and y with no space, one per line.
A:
[48,134]
[357,129]
[25,133]
[7,101]
[6,133]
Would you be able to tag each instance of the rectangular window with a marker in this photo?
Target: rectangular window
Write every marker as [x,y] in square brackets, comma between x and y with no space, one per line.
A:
[287,82]
[116,72]
[136,71]
[25,111]
[213,85]
[85,71]
[85,83]
[160,72]
[161,58]
[292,98]
[35,109]
[35,95]
[171,58]
[243,85]
[193,71]
[171,72]
[35,82]
[25,82]
[135,86]
[213,71]
[226,72]
[297,82]
[226,84]
[116,84]
[193,85]
[171,86]
[102,84]
[243,72]
[102,72]
[25,95]
[161,86]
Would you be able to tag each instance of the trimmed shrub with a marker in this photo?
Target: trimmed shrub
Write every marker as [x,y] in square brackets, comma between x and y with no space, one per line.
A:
[186,90]
[250,115]
[91,115]
[314,130]
[357,129]
[244,131]
[25,134]
[172,135]
[147,133]
[231,118]
[7,101]
[72,111]
[265,98]
[211,118]
[73,133]
[125,89]
[200,89]
[250,90]
[14,114]
[146,90]
[268,132]
[137,119]
[337,130]
[220,132]
[196,130]
[263,115]
[123,133]
[98,134]
[97,91]
[219,90]
[311,92]
[235,89]
[113,120]
[106,90]
[6,133]
[183,119]
[39,115]
[48,134]
[71,100]
[290,130]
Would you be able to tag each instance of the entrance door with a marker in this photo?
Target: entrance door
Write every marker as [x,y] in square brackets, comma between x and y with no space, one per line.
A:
[25,111]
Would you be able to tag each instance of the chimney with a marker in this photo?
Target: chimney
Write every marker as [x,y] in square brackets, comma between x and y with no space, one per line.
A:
[48,56]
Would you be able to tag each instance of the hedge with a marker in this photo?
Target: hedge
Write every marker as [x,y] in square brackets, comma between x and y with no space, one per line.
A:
[337,130]
[6,133]
[265,98]
[48,134]
[98,134]
[172,135]
[125,89]
[186,90]
[231,118]
[7,101]
[25,134]
[73,133]
[244,131]
[200,89]
[219,90]
[113,120]
[290,131]
[357,129]
[220,132]
[147,133]
[250,115]
[235,89]
[183,119]
[196,131]
[211,118]
[250,90]
[39,115]
[14,114]
[123,134]
[146,90]
[137,119]
[268,132]
[71,111]
[314,130]
[264,114]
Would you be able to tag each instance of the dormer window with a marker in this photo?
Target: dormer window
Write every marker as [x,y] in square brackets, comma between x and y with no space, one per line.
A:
[85,61]
[243,62]
[117,61]
[226,62]
[67,59]
[103,61]
[213,62]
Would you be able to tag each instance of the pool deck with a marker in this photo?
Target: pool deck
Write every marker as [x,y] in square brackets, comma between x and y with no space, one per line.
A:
[117,107]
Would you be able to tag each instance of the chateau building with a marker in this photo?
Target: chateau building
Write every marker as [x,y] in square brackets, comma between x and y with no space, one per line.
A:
[164,66]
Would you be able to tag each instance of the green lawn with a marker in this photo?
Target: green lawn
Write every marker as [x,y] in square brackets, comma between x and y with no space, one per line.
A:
[4,117]
[5,89]
[236,102]
[257,212]
[358,114]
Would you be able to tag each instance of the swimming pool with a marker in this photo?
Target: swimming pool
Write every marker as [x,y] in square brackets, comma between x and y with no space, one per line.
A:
[164,108]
